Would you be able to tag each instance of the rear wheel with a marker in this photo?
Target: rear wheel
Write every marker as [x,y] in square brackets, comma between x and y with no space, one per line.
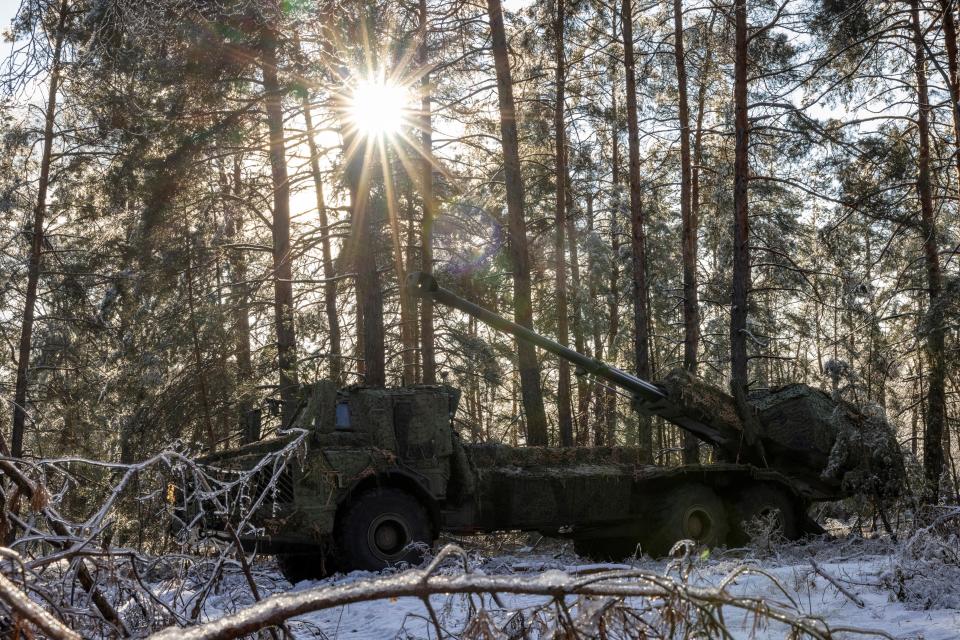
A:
[764,507]
[689,512]
[296,567]
[611,549]
[383,527]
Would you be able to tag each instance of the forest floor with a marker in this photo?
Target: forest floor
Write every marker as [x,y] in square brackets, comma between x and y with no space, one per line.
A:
[899,590]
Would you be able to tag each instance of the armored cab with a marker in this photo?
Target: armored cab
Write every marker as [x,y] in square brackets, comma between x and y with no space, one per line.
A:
[375,467]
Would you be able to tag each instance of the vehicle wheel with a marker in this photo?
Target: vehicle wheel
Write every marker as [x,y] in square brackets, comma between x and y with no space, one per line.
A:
[689,512]
[296,567]
[378,528]
[764,501]
[605,549]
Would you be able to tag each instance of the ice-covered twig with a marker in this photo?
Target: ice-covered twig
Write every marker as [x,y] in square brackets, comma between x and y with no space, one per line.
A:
[87,538]
[32,490]
[22,605]
[857,600]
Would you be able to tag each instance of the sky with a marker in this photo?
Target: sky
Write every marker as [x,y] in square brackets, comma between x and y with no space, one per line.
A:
[8,8]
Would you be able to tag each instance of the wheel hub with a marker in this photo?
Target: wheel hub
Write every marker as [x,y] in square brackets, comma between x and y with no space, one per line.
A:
[697,524]
[388,536]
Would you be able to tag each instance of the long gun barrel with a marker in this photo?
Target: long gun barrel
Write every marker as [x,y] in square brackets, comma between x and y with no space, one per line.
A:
[647,397]
[425,285]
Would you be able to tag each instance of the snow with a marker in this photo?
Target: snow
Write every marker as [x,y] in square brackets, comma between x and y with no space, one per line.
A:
[870,571]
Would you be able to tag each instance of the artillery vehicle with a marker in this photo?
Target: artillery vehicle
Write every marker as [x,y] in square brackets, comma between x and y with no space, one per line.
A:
[384,469]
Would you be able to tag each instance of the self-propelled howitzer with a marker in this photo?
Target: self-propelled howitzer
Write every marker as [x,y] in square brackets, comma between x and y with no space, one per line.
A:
[369,476]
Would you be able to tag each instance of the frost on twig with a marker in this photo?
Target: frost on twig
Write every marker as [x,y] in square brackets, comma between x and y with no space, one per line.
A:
[20,604]
[131,536]
[924,572]
[857,600]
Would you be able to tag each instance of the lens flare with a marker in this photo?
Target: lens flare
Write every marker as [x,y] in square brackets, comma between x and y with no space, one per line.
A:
[378,107]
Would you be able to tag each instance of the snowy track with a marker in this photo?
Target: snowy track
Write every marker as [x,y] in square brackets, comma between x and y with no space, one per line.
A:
[841,577]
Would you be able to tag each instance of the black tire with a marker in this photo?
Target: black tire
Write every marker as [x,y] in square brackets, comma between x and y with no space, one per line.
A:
[688,512]
[764,501]
[605,549]
[296,567]
[377,529]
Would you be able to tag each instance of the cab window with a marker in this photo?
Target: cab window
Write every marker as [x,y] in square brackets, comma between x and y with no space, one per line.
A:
[343,416]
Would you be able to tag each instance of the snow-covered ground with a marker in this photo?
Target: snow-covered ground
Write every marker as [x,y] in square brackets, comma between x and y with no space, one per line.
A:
[847,583]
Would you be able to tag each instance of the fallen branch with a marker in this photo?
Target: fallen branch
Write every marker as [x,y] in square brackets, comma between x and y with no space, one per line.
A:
[56,521]
[422,584]
[22,605]
[836,583]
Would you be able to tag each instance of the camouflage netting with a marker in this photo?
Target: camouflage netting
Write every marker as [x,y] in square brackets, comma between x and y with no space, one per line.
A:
[703,401]
[825,442]
[799,417]
[485,456]
[866,456]
[856,449]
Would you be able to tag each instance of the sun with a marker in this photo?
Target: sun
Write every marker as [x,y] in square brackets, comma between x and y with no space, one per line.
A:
[379,108]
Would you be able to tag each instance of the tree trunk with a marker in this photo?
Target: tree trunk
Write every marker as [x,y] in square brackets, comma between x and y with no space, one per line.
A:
[596,391]
[641,336]
[691,307]
[239,293]
[739,378]
[211,438]
[282,268]
[407,315]
[36,245]
[915,415]
[608,434]
[950,41]
[536,418]
[411,259]
[936,381]
[330,283]
[427,352]
[705,71]
[364,250]
[564,414]
[579,340]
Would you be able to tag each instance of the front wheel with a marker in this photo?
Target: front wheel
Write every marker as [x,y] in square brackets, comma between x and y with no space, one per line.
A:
[383,527]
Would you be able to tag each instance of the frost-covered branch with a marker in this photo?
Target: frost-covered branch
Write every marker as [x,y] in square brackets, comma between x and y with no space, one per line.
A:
[658,592]
[21,604]
[91,510]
